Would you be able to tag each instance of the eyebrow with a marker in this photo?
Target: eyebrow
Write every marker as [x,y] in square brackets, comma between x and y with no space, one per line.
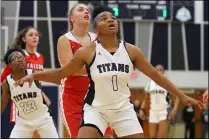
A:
[102,16]
[83,8]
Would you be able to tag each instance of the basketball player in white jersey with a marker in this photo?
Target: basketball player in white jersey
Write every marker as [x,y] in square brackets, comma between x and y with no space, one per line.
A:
[158,113]
[32,111]
[109,66]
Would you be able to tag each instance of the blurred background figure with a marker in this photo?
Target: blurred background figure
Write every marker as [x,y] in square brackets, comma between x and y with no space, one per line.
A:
[188,116]
[160,112]
[137,105]
[204,123]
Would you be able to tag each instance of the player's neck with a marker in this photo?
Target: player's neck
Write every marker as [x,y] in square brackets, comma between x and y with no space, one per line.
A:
[17,75]
[108,42]
[30,51]
[80,31]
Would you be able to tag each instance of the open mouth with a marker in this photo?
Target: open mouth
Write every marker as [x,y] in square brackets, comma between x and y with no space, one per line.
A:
[86,16]
[112,26]
[20,64]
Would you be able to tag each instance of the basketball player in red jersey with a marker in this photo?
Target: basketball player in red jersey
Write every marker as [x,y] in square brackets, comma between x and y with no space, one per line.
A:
[75,87]
[27,40]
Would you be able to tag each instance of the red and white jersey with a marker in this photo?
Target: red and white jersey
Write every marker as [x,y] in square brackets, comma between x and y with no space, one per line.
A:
[34,61]
[77,83]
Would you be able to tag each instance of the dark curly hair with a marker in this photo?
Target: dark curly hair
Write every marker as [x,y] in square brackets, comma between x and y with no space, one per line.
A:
[99,9]
[9,52]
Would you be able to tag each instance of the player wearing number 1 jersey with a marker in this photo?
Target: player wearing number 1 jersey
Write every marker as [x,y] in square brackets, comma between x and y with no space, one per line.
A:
[32,110]
[109,66]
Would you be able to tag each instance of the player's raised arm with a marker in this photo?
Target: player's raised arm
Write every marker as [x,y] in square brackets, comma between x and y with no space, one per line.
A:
[5,95]
[143,65]
[55,75]
[205,97]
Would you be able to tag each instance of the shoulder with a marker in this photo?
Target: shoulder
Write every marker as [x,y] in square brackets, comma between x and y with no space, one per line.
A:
[132,50]
[5,84]
[63,38]
[63,42]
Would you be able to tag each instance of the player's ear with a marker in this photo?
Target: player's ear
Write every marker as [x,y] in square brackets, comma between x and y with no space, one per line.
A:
[72,18]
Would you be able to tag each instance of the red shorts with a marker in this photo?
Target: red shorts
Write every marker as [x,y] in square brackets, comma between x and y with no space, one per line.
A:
[72,112]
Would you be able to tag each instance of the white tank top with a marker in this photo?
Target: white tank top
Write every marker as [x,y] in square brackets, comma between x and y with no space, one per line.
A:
[159,97]
[109,75]
[28,100]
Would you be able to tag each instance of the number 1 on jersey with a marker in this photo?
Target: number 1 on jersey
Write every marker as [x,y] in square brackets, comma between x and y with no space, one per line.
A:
[115,82]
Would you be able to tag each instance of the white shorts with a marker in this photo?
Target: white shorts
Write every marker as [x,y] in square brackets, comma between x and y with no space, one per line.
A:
[155,116]
[124,122]
[25,128]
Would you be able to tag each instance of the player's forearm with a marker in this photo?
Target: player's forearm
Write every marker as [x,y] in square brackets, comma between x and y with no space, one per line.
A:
[51,76]
[3,105]
[166,84]
[81,72]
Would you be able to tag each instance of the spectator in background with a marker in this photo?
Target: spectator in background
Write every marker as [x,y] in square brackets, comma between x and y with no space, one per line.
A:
[136,109]
[188,117]
[205,97]
[204,123]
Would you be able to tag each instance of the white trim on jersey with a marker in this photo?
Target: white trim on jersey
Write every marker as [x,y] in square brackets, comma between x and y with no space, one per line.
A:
[70,36]
[26,53]
[63,114]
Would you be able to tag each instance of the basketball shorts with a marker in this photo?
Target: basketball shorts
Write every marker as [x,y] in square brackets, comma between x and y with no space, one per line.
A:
[72,112]
[155,116]
[124,122]
[25,128]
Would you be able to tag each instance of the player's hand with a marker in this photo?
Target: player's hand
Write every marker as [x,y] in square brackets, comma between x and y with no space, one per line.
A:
[172,114]
[205,97]
[142,115]
[28,78]
[192,102]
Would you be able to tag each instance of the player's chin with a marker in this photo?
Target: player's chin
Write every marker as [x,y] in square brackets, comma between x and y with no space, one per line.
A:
[112,32]
[21,67]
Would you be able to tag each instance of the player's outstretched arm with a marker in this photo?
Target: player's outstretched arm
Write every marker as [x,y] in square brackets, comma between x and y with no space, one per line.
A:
[64,52]
[205,97]
[5,95]
[55,75]
[143,65]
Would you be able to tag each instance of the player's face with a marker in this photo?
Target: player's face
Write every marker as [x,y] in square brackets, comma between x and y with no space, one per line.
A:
[107,24]
[81,14]
[17,61]
[31,38]
[160,69]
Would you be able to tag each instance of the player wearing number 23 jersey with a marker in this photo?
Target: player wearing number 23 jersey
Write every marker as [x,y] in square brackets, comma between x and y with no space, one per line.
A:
[33,113]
